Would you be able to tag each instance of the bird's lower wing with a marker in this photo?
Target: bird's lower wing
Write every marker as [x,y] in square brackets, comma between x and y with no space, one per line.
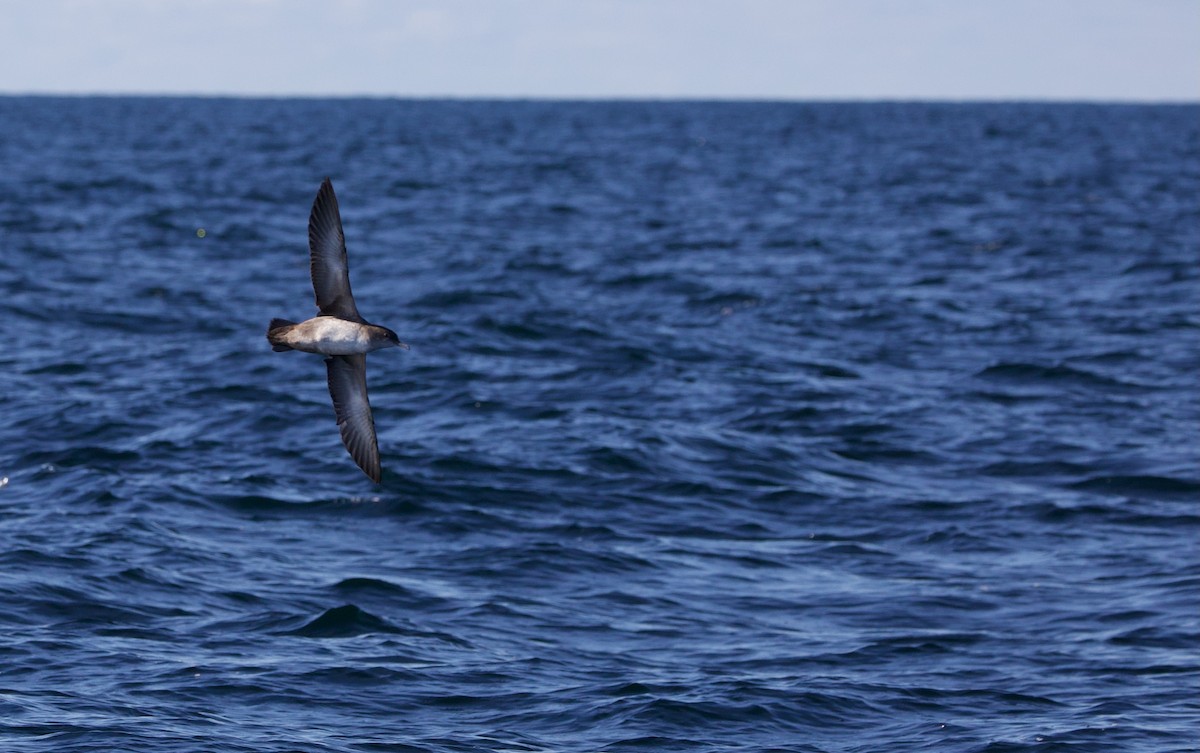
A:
[348,388]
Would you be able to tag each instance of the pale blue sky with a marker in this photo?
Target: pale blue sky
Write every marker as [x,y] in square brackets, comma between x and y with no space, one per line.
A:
[1144,50]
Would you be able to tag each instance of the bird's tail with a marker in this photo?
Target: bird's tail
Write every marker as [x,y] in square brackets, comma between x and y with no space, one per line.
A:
[275,332]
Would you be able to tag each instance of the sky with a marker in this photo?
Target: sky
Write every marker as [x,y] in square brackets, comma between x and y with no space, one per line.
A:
[1108,50]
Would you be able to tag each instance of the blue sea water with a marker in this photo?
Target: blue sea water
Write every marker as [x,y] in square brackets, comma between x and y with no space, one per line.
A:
[725,427]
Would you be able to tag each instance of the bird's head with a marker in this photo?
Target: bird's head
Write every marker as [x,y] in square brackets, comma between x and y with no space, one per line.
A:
[383,337]
[391,339]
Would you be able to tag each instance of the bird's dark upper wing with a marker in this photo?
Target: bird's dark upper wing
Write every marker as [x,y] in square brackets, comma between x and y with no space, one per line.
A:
[348,388]
[327,250]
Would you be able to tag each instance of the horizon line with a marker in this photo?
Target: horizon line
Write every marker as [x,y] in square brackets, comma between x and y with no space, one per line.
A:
[633,98]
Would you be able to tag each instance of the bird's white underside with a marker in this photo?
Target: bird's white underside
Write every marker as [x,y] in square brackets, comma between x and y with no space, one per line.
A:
[330,336]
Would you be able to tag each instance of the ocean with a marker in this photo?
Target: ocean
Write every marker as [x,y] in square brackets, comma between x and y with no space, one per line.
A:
[726,426]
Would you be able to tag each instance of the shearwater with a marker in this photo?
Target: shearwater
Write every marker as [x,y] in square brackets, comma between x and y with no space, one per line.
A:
[338,332]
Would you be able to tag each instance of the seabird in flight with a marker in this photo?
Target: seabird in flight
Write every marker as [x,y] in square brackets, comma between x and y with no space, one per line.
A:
[338,332]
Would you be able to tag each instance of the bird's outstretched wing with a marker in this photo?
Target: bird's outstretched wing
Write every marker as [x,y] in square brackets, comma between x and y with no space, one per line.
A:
[327,252]
[348,388]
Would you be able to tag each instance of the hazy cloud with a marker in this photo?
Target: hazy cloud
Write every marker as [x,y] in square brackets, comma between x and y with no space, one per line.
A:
[1063,49]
